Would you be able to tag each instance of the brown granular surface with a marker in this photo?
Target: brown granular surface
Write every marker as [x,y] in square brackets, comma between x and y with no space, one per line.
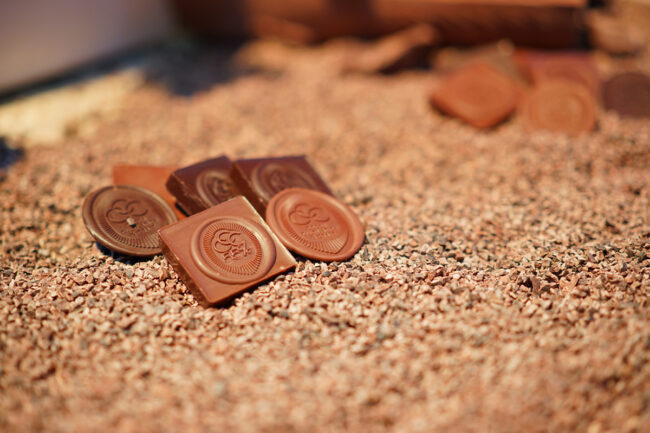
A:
[504,283]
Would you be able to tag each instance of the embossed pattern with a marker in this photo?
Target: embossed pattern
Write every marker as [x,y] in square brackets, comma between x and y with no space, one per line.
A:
[214,187]
[232,250]
[126,219]
[270,179]
[317,227]
[314,225]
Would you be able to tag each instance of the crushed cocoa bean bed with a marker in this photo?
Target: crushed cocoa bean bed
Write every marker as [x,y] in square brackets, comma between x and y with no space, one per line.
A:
[503,285]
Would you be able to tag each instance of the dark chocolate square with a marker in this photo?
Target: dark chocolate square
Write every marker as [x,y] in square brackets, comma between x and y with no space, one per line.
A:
[224,250]
[260,179]
[202,185]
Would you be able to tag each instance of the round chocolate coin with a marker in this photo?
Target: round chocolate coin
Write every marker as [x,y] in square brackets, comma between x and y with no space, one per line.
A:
[560,106]
[232,250]
[126,219]
[628,94]
[315,225]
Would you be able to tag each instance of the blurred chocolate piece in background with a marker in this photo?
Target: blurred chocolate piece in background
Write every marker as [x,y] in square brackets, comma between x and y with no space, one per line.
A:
[559,105]
[478,94]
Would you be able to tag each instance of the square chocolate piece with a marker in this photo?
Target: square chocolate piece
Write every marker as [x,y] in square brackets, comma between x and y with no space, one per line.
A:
[202,185]
[478,93]
[260,179]
[151,177]
[224,250]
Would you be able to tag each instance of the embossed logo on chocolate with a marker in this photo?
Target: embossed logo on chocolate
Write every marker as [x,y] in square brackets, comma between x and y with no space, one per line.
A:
[270,179]
[129,221]
[126,219]
[314,224]
[232,250]
[214,187]
[318,227]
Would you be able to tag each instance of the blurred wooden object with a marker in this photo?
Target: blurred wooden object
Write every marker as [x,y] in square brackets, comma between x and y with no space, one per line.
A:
[408,48]
[539,23]
[614,35]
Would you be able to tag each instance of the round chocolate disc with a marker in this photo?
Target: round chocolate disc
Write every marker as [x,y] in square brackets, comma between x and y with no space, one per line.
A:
[628,94]
[126,219]
[560,106]
[315,225]
[232,250]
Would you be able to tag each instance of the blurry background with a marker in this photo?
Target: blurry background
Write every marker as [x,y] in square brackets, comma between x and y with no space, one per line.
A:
[46,44]
[41,39]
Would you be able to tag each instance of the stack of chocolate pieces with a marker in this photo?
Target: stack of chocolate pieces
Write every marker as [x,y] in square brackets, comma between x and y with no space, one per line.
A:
[554,92]
[207,219]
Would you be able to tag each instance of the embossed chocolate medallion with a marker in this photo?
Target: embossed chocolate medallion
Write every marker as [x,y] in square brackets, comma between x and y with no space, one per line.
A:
[560,105]
[314,224]
[270,179]
[126,219]
[232,250]
[214,187]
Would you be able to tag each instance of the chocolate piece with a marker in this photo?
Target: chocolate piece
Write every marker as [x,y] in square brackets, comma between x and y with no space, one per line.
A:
[126,219]
[315,225]
[628,94]
[405,49]
[479,94]
[202,185]
[260,179]
[573,66]
[151,177]
[224,250]
[559,105]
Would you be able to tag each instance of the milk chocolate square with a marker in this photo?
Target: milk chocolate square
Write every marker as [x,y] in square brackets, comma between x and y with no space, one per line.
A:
[202,185]
[262,178]
[151,177]
[477,93]
[224,250]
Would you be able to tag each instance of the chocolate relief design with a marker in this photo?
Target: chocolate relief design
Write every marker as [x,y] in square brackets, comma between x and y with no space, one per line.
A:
[232,251]
[317,227]
[270,179]
[130,222]
[232,245]
[125,211]
[214,187]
